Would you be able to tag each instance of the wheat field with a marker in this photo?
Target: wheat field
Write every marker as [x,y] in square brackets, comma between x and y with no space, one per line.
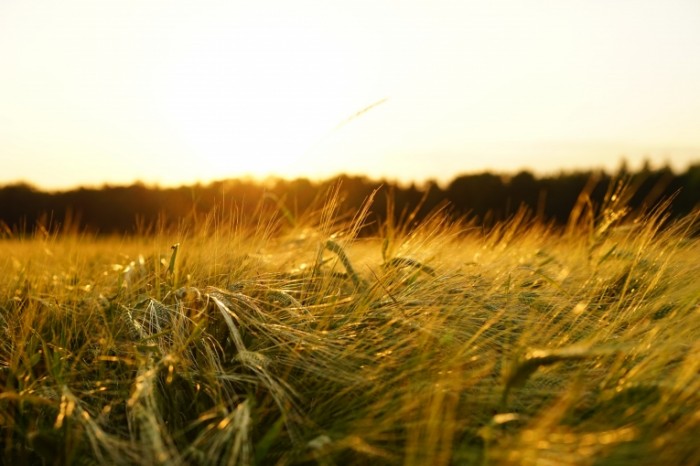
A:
[296,340]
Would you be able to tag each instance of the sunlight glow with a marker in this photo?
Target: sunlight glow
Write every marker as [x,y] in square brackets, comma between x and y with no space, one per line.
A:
[175,92]
[256,110]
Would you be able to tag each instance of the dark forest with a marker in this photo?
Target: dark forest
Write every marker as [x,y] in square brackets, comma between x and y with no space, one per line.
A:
[485,198]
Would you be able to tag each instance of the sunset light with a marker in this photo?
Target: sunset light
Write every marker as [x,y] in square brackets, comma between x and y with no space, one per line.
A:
[368,232]
[178,92]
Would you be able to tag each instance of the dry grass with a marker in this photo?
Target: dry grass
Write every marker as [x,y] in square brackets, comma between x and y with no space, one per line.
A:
[283,342]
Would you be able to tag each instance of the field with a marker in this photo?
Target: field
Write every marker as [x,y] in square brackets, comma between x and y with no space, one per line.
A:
[290,339]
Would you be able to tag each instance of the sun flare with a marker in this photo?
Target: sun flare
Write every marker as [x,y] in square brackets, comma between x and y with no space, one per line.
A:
[256,100]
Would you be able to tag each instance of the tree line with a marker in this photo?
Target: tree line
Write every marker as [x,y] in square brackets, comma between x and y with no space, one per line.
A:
[485,197]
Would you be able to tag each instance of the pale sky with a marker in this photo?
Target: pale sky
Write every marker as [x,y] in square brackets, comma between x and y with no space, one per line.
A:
[174,92]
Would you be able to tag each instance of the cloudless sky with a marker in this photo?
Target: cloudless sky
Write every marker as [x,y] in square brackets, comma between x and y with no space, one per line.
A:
[177,91]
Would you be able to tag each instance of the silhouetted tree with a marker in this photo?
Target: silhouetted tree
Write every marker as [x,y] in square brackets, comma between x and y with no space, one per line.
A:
[485,196]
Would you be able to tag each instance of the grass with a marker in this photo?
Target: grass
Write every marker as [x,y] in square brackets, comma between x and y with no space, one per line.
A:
[293,341]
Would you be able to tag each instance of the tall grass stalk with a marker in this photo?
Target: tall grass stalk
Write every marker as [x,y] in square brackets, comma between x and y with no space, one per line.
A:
[295,341]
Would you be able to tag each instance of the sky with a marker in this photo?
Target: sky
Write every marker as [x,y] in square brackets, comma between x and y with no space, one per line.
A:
[175,92]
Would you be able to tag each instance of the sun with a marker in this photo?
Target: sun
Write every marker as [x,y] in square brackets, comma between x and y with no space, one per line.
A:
[253,101]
